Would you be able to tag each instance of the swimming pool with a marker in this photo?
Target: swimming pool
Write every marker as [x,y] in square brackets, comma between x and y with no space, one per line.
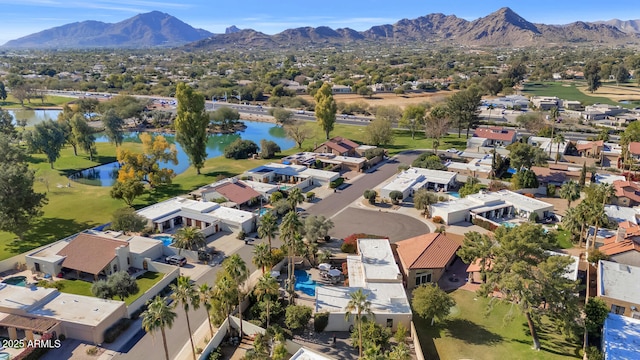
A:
[509,224]
[16,280]
[262,211]
[304,283]
[166,239]
[455,194]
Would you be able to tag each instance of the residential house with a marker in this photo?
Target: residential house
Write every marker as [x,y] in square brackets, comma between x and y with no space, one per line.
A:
[410,180]
[477,168]
[621,214]
[606,109]
[572,105]
[549,146]
[619,287]
[424,259]
[374,271]
[627,193]
[634,151]
[592,149]
[621,338]
[338,146]
[347,163]
[496,136]
[234,191]
[288,176]
[496,207]
[340,89]
[544,103]
[624,247]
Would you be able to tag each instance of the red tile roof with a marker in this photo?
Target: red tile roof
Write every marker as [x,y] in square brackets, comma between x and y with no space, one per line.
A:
[590,145]
[495,133]
[429,251]
[236,192]
[634,148]
[546,175]
[90,253]
[627,189]
[615,248]
[340,144]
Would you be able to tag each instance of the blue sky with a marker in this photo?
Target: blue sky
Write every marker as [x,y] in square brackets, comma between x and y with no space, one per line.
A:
[23,17]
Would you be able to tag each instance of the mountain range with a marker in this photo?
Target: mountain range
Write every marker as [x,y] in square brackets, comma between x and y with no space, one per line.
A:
[500,28]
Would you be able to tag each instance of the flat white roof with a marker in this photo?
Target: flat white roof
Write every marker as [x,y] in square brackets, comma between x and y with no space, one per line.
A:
[608,178]
[259,186]
[320,174]
[471,166]
[523,202]
[621,337]
[232,215]
[167,207]
[306,354]
[619,281]
[454,206]
[410,177]
[50,252]
[621,213]
[377,260]
[23,298]
[283,169]
[349,159]
[547,144]
[78,309]
[493,199]
[385,298]
[140,244]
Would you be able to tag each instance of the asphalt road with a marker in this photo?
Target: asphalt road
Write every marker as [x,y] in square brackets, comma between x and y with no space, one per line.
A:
[393,225]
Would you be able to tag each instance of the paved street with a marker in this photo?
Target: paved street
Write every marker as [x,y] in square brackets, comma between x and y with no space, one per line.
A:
[385,223]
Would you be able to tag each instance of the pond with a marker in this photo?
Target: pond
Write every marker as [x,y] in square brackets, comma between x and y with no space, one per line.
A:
[106,174]
[34,116]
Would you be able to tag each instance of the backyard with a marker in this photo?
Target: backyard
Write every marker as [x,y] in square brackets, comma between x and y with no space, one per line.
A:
[81,287]
[470,334]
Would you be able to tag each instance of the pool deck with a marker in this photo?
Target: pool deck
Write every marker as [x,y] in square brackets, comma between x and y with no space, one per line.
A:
[304,299]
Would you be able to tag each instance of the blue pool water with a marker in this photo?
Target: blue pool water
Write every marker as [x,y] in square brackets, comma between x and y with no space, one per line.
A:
[509,224]
[455,194]
[511,171]
[262,211]
[166,239]
[304,283]
[16,280]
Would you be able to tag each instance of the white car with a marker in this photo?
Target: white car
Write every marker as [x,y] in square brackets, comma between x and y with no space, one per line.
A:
[452,150]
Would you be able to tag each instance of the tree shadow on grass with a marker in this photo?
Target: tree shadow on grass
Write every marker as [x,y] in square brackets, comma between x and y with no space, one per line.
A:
[45,231]
[471,333]
[426,335]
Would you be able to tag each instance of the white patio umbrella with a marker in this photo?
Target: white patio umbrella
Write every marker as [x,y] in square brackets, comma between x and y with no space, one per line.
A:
[335,272]
[275,273]
[324,267]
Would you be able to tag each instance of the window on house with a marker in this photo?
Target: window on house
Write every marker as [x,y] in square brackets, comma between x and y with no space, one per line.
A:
[617,309]
[423,279]
[389,323]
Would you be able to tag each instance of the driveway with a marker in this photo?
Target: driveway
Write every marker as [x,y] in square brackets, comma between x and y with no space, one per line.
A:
[396,226]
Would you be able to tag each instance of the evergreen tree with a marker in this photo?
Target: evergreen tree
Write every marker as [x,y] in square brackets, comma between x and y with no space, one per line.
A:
[191,125]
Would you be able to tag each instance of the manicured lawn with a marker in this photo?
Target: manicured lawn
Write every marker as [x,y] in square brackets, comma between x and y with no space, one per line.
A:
[568,91]
[49,101]
[470,334]
[564,239]
[81,287]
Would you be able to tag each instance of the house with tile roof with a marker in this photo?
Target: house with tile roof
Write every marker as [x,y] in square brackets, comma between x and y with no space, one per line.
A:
[627,193]
[624,247]
[338,146]
[634,150]
[591,149]
[234,191]
[424,259]
[495,136]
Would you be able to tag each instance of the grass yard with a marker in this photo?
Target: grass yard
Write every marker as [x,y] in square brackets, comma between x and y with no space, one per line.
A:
[49,101]
[572,91]
[564,239]
[81,287]
[469,334]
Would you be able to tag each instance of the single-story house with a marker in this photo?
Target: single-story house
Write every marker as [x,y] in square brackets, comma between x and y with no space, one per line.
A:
[624,246]
[619,287]
[340,89]
[36,310]
[410,180]
[234,191]
[627,193]
[477,168]
[634,150]
[338,146]
[423,259]
[621,338]
[496,136]
[209,217]
[374,271]
[548,145]
[495,206]
[591,149]
[290,175]
[544,102]
[622,213]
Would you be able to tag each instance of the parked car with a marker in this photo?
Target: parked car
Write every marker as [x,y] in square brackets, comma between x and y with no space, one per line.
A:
[452,150]
[177,260]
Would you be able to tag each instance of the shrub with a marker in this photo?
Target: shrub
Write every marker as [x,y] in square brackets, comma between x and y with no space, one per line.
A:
[275,196]
[310,195]
[371,196]
[349,248]
[403,167]
[351,242]
[92,351]
[337,182]
[320,321]
[277,255]
[396,196]
[551,190]
[371,153]
[438,220]
[240,149]
[297,316]
[268,149]
[112,333]
[215,354]
[533,217]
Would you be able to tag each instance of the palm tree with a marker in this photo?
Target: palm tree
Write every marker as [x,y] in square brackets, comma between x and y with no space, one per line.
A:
[184,293]
[205,295]
[490,107]
[267,287]
[158,315]
[558,139]
[604,192]
[571,221]
[189,238]
[570,191]
[261,256]
[362,307]
[237,270]
[225,295]
[268,227]
[289,229]
[295,197]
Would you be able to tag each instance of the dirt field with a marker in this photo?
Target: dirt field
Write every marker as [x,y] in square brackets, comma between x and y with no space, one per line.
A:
[615,93]
[391,99]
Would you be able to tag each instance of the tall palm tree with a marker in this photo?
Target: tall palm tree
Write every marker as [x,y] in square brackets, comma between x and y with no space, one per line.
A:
[261,256]
[268,226]
[570,191]
[267,287]
[158,316]
[558,139]
[189,238]
[290,228]
[184,293]
[205,294]
[237,270]
[360,307]
[225,295]
[604,192]
[295,197]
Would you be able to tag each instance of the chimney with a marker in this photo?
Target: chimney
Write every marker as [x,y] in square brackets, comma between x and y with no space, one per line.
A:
[622,232]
